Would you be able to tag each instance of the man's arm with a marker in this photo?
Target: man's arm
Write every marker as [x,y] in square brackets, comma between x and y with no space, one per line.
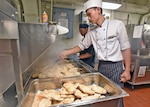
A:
[125,76]
[86,55]
[70,51]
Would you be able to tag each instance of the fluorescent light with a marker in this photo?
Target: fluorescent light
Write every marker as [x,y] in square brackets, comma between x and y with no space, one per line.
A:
[111,6]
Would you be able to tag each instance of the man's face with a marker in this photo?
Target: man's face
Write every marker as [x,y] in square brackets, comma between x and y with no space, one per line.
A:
[93,15]
[83,31]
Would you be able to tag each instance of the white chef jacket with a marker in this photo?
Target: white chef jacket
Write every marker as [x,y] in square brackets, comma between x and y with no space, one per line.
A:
[108,40]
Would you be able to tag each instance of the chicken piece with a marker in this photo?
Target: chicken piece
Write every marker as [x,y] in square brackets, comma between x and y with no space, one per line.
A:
[69,65]
[70,87]
[67,96]
[102,96]
[35,75]
[38,97]
[57,97]
[63,91]
[49,93]
[77,100]
[73,69]
[45,102]
[95,96]
[66,74]
[68,100]
[57,73]
[54,102]
[66,61]
[53,91]
[77,73]
[86,89]
[99,89]
[79,94]
[42,75]
[72,73]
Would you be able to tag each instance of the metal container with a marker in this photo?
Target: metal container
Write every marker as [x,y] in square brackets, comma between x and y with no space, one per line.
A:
[115,93]
[140,67]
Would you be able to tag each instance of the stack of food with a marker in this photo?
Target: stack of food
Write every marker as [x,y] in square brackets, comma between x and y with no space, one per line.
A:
[68,93]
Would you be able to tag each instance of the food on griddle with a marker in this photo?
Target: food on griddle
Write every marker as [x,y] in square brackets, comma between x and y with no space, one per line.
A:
[42,75]
[57,70]
[68,93]
[35,75]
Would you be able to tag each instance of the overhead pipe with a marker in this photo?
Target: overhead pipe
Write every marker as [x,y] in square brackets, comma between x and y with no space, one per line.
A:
[144,18]
[51,12]
[39,10]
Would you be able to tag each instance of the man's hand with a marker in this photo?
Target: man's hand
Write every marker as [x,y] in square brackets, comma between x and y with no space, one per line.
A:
[63,54]
[125,76]
[70,51]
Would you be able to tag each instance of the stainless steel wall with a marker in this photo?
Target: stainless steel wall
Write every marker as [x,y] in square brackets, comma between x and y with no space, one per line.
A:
[35,38]
[8,10]
[8,38]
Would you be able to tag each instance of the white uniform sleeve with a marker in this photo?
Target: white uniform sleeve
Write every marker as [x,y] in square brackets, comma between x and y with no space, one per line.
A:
[123,37]
[86,42]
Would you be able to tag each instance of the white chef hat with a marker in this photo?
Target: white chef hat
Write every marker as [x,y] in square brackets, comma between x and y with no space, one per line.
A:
[92,3]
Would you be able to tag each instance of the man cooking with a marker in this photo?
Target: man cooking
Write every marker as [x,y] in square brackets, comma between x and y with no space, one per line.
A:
[87,55]
[111,44]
